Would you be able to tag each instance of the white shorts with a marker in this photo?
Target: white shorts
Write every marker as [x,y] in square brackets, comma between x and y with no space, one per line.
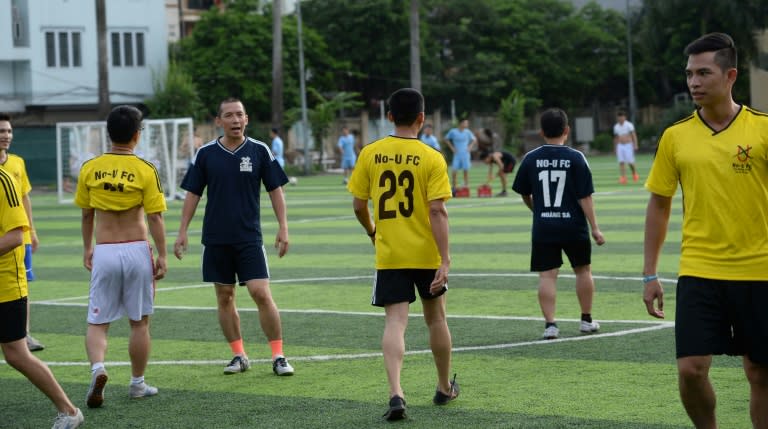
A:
[122,282]
[625,152]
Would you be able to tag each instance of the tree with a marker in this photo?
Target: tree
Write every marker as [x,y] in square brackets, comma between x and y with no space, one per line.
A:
[324,112]
[512,116]
[175,95]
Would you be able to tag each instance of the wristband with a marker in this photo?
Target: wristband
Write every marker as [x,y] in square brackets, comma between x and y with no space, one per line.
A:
[650,278]
[372,234]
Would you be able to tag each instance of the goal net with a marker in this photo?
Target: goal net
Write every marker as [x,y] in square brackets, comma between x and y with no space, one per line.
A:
[166,143]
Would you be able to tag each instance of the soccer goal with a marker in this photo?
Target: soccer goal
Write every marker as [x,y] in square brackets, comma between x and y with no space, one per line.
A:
[166,143]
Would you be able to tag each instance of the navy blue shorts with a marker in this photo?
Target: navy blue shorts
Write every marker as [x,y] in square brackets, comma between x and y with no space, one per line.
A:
[397,285]
[13,320]
[548,256]
[715,317]
[232,263]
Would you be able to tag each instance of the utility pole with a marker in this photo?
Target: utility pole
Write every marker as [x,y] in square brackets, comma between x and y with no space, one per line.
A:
[101,33]
[303,91]
[632,101]
[277,64]
[415,46]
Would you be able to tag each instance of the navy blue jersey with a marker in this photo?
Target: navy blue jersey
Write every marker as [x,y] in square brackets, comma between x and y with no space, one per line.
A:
[557,177]
[233,179]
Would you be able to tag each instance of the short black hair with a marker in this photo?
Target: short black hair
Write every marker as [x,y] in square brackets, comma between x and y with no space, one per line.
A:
[275,130]
[721,44]
[405,104]
[553,122]
[122,123]
[227,101]
[5,117]
[621,113]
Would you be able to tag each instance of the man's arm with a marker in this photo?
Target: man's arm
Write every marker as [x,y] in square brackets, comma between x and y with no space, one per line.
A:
[11,240]
[187,213]
[438,217]
[278,205]
[656,223]
[27,202]
[364,217]
[634,139]
[528,200]
[87,232]
[588,207]
[157,230]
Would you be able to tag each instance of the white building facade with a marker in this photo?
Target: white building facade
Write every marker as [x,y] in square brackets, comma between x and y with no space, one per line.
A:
[49,52]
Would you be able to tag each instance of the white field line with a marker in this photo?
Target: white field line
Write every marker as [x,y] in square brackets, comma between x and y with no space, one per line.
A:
[325,358]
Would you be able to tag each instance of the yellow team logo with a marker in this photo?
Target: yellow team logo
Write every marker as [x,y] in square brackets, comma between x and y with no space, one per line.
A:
[743,165]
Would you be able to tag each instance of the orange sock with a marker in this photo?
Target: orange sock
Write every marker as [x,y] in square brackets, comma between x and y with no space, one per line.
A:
[237,347]
[277,348]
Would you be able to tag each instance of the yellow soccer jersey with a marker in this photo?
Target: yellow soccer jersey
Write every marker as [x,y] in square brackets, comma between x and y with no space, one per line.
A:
[724,180]
[13,275]
[115,182]
[401,176]
[14,164]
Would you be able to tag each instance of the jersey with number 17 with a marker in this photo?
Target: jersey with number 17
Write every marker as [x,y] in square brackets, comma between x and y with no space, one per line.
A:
[557,177]
[401,176]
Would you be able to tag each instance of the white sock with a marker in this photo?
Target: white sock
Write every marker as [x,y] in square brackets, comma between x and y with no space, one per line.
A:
[137,380]
[96,366]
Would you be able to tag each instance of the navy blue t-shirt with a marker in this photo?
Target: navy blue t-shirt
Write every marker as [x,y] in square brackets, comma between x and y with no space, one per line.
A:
[557,177]
[233,179]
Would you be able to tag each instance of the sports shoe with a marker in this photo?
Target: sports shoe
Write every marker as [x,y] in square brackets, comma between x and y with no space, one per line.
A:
[280,366]
[396,409]
[441,398]
[95,396]
[65,421]
[623,180]
[33,345]
[237,364]
[635,177]
[141,390]
[502,194]
[589,327]
[551,333]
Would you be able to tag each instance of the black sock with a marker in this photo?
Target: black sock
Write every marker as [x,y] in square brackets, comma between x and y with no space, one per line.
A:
[586,317]
[548,324]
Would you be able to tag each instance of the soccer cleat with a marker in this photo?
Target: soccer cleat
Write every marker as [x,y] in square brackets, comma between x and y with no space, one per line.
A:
[623,180]
[396,409]
[502,194]
[441,398]
[589,327]
[237,364]
[141,390]
[95,396]
[65,421]
[551,332]
[635,177]
[33,345]
[280,366]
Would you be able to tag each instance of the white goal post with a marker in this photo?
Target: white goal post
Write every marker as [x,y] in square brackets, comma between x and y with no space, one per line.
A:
[166,143]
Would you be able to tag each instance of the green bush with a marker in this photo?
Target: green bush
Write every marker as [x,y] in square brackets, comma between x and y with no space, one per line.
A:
[603,143]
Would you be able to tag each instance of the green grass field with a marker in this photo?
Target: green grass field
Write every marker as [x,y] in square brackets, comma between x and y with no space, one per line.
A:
[622,377]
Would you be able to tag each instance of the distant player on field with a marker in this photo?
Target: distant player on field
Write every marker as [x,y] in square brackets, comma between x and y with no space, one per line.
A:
[625,144]
[556,184]
[408,184]
[116,191]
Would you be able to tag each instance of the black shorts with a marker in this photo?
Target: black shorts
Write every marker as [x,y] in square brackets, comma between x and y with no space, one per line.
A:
[548,256]
[13,320]
[233,263]
[714,317]
[397,285]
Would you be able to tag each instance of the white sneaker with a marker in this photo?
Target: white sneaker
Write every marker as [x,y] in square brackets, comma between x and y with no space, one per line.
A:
[589,327]
[551,333]
[281,366]
[95,396]
[65,421]
[237,364]
[141,390]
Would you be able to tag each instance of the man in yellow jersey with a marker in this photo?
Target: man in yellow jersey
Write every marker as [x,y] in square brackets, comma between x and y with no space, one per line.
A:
[408,184]
[116,190]
[719,156]
[14,164]
[13,305]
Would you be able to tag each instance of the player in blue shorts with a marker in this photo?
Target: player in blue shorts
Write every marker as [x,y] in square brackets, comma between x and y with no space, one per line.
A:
[233,168]
[461,141]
